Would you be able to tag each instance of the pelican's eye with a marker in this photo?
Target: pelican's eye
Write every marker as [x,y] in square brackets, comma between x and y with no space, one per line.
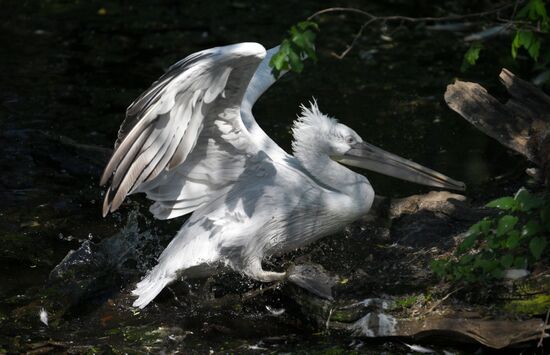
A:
[350,140]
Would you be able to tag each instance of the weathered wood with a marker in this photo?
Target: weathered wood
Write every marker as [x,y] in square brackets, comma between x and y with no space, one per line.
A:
[521,124]
[487,114]
[527,95]
[377,317]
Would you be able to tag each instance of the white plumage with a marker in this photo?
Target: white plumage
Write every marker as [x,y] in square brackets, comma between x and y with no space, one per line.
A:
[190,142]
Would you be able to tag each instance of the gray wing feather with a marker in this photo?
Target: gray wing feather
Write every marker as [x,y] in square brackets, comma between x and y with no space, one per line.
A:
[165,123]
[128,159]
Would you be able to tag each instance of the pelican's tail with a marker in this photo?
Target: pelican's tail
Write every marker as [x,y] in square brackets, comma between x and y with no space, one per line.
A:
[192,258]
[151,285]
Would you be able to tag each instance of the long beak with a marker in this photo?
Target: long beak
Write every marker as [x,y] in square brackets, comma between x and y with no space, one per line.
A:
[367,156]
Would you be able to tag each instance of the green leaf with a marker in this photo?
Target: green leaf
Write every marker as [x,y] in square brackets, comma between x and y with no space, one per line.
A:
[440,267]
[471,56]
[515,46]
[545,217]
[480,262]
[489,265]
[513,240]
[299,46]
[506,261]
[296,63]
[503,203]
[278,61]
[485,225]
[540,9]
[304,25]
[537,10]
[497,273]
[527,40]
[506,224]
[534,49]
[481,227]
[531,228]
[536,246]
[466,259]
[304,41]
[534,10]
[527,201]
[520,262]
[521,39]
[467,243]
[494,243]
[457,274]
[310,45]
[524,11]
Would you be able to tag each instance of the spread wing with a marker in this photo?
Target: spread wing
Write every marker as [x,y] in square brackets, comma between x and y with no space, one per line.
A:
[183,141]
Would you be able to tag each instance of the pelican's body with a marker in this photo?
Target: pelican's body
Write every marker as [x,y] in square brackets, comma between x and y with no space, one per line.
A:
[192,145]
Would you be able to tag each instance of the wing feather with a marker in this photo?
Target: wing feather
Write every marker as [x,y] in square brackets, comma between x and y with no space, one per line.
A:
[148,149]
[186,145]
[172,132]
[128,159]
[141,168]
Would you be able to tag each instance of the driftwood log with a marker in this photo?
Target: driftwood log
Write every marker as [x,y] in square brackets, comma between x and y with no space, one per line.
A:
[521,124]
[376,317]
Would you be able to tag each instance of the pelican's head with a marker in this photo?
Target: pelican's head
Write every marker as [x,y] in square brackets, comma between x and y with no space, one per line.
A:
[316,131]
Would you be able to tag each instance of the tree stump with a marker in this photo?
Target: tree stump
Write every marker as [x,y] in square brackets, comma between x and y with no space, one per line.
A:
[521,124]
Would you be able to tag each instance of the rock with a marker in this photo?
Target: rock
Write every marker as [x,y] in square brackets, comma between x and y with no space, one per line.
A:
[101,268]
[528,296]
[432,219]
[77,262]
[515,274]
[433,201]
[313,278]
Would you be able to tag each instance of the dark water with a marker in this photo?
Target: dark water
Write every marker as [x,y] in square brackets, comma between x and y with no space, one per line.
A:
[71,68]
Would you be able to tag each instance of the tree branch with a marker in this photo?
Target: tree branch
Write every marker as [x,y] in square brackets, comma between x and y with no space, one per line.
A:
[413,19]
[373,18]
[355,39]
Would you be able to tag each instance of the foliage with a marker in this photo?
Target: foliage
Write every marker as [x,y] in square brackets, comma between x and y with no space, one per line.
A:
[471,56]
[531,23]
[407,302]
[515,239]
[298,46]
[537,304]
[534,14]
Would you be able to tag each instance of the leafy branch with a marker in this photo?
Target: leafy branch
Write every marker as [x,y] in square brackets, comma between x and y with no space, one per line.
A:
[515,239]
[530,21]
[371,18]
[534,19]
[299,46]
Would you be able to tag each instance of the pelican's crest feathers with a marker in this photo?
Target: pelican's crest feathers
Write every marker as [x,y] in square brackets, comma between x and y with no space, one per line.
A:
[311,125]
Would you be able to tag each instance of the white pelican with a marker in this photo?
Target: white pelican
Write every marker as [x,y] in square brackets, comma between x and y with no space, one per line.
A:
[191,144]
